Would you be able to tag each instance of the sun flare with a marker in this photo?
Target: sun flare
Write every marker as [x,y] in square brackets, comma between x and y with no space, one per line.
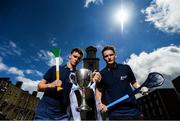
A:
[121,17]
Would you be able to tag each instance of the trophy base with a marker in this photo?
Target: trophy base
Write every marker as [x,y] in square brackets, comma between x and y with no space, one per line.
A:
[84,108]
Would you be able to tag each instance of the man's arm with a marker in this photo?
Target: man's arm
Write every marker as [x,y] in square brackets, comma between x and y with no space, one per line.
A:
[98,96]
[101,106]
[43,85]
[133,81]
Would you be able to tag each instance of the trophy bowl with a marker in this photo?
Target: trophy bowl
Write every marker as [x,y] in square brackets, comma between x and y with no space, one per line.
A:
[82,78]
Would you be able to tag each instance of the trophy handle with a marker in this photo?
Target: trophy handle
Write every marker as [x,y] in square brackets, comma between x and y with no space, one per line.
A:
[70,78]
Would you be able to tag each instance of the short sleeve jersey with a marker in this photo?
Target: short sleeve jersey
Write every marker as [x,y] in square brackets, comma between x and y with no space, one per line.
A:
[115,83]
[61,96]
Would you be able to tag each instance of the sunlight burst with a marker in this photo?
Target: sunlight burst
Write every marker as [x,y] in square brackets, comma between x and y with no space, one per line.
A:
[120,17]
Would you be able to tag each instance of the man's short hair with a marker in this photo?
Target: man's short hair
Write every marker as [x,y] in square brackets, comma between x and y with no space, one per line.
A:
[78,50]
[108,48]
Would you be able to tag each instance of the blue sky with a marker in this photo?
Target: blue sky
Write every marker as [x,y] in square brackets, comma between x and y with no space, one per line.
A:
[29,29]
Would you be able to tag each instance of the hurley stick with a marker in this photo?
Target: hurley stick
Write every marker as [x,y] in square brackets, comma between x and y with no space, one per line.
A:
[56,52]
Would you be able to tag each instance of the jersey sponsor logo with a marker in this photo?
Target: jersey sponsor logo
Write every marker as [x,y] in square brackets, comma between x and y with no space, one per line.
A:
[123,77]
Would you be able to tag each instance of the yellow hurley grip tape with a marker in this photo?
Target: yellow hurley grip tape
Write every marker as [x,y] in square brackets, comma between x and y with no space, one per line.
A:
[57,78]
[57,75]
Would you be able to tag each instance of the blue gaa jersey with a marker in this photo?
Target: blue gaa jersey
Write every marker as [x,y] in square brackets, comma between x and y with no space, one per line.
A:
[115,84]
[54,103]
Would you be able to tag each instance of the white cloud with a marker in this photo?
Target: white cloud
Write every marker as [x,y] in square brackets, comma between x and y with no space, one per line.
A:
[11,70]
[2,65]
[100,44]
[29,85]
[48,57]
[87,2]
[164,14]
[16,71]
[12,44]
[53,42]
[30,71]
[10,48]
[164,60]
[38,73]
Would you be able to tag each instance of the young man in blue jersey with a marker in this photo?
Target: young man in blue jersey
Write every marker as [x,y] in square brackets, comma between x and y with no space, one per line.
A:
[53,105]
[116,82]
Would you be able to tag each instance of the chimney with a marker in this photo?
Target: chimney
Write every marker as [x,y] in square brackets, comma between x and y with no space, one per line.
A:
[91,52]
[19,84]
[91,62]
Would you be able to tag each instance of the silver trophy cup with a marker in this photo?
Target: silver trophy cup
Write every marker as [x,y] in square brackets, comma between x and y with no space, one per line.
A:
[82,78]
